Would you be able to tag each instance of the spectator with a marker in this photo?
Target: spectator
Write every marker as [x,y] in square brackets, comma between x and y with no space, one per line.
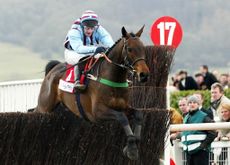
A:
[209,78]
[199,78]
[175,81]
[183,106]
[224,80]
[196,144]
[217,98]
[224,117]
[175,116]
[172,87]
[186,82]
[200,97]
[223,134]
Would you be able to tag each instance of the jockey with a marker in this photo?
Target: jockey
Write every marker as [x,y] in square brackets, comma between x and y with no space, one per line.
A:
[85,38]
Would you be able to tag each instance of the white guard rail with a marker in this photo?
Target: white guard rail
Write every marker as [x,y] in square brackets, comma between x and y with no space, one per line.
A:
[19,96]
[220,150]
[201,126]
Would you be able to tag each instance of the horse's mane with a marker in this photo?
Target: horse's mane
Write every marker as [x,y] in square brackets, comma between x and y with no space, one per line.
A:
[109,50]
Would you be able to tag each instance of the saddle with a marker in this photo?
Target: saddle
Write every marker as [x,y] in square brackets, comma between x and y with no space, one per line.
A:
[67,84]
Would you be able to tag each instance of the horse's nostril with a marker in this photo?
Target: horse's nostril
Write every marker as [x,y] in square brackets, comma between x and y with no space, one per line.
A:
[144,77]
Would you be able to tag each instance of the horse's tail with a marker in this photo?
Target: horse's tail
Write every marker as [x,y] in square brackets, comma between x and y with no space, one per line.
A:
[50,65]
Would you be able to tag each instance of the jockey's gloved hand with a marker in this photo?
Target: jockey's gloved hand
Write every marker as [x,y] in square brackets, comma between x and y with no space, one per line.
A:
[100,49]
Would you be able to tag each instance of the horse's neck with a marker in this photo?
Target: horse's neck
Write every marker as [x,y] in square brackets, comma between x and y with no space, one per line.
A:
[114,72]
[116,53]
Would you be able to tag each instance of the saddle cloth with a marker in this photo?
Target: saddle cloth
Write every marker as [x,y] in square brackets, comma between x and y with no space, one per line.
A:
[67,84]
[69,77]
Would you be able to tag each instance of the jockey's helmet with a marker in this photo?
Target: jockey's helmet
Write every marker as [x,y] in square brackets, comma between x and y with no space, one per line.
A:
[89,18]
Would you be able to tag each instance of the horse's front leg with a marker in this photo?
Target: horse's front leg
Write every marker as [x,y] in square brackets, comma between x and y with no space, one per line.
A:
[138,119]
[130,149]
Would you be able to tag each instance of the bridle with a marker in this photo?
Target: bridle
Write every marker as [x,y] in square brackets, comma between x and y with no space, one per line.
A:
[127,62]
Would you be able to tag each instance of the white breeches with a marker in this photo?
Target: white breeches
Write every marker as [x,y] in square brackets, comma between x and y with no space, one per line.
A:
[72,57]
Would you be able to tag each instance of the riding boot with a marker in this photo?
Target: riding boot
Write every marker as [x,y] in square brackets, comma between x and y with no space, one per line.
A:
[77,83]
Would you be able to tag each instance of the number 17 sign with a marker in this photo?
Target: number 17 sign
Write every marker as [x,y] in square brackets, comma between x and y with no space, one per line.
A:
[166,31]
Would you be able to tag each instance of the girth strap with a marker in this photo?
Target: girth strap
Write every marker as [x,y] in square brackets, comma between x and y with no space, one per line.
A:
[80,108]
[113,84]
[108,82]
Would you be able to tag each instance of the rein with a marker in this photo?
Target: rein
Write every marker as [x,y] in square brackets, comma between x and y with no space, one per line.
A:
[106,81]
[126,65]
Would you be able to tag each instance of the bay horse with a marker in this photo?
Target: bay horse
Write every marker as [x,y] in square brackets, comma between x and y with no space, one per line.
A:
[106,99]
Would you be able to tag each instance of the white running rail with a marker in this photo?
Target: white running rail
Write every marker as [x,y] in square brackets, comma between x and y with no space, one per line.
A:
[176,152]
[19,96]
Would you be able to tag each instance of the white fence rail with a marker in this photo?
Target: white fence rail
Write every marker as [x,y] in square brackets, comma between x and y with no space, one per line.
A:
[220,150]
[19,95]
[219,155]
[201,126]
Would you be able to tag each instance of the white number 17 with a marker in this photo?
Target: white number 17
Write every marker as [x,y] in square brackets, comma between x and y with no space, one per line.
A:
[166,26]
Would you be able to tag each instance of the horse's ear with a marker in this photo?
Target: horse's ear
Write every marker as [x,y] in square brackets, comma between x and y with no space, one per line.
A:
[124,32]
[138,34]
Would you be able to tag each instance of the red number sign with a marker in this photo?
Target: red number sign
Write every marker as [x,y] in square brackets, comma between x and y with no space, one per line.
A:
[166,31]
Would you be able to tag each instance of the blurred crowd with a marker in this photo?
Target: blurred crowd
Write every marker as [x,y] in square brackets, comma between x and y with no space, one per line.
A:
[196,144]
[219,110]
[200,81]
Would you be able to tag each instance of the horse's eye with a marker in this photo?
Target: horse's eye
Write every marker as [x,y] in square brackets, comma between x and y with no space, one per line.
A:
[129,50]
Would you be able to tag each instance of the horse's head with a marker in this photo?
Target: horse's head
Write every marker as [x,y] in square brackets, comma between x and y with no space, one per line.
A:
[134,54]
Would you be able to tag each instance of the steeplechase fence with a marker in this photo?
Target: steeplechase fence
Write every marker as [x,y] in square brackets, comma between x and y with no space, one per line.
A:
[62,138]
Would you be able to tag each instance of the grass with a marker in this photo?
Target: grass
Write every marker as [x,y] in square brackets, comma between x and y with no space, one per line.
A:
[19,63]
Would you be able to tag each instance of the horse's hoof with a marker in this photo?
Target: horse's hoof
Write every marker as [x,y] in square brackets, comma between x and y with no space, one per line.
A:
[131,154]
